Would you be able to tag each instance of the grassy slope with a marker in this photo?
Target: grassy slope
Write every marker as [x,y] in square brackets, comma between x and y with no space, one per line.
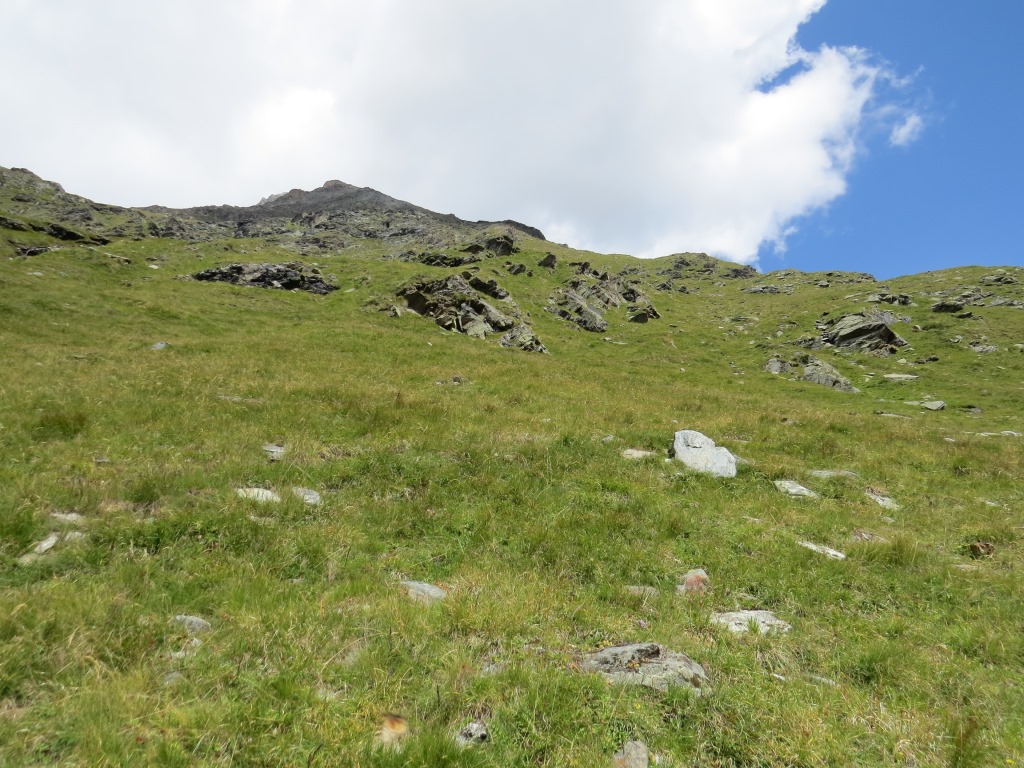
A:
[502,491]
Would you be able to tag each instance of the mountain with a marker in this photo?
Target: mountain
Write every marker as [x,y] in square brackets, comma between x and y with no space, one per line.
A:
[300,482]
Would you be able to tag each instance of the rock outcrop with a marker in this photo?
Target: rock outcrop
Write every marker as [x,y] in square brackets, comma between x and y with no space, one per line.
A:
[286,277]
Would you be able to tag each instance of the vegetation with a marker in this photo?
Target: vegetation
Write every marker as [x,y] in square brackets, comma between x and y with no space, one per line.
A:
[503,490]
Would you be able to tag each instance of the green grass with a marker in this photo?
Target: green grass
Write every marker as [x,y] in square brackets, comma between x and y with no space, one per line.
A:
[502,491]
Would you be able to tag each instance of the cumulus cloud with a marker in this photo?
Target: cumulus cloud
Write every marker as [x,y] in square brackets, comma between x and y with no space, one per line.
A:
[647,129]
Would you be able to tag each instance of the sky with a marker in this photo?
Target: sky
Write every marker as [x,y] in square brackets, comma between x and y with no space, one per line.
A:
[862,135]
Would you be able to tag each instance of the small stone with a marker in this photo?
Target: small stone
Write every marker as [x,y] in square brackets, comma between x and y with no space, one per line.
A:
[740,622]
[695,582]
[900,377]
[828,474]
[634,754]
[160,345]
[933,405]
[274,452]
[473,734]
[308,496]
[262,495]
[422,592]
[792,488]
[193,624]
[636,453]
[881,499]
[822,550]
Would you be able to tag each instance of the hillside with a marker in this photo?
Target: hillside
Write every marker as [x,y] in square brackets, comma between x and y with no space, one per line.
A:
[469,406]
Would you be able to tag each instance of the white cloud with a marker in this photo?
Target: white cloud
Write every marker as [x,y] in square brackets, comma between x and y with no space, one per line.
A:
[644,129]
[907,132]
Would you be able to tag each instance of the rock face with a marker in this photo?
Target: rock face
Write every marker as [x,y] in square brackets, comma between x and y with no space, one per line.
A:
[647,664]
[739,622]
[586,297]
[286,277]
[864,333]
[699,452]
[457,303]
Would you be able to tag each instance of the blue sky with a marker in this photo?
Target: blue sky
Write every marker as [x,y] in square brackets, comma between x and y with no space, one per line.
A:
[760,131]
[954,197]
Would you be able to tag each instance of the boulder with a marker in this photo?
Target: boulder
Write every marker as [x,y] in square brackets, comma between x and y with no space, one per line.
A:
[550,261]
[777,365]
[947,306]
[699,453]
[287,277]
[864,333]
[647,664]
[819,372]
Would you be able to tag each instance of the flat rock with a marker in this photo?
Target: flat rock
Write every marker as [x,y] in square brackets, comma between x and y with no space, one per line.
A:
[792,488]
[262,495]
[699,453]
[636,453]
[739,622]
[194,625]
[828,474]
[72,518]
[881,499]
[308,496]
[642,591]
[900,377]
[647,664]
[634,754]
[933,405]
[160,345]
[821,549]
[422,592]
[274,452]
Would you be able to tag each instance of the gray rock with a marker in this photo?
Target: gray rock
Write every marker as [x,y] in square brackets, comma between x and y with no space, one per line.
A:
[881,499]
[739,622]
[777,365]
[193,624]
[521,337]
[287,277]
[983,348]
[274,452]
[633,755]
[160,345]
[636,453]
[792,488]
[933,405]
[44,546]
[821,549]
[819,372]
[947,306]
[473,734]
[308,496]
[900,377]
[73,518]
[422,592]
[699,453]
[828,474]
[262,495]
[647,664]
[863,332]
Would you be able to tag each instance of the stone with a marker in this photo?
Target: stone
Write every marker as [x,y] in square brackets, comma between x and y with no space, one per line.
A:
[636,453]
[821,549]
[262,495]
[792,488]
[647,664]
[44,546]
[291,276]
[549,262]
[72,518]
[881,499]
[819,372]
[634,754]
[947,306]
[695,582]
[777,366]
[863,332]
[193,624]
[522,337]
[983,349]
[309,497]
[828,474]
[933,405]
[422,592]
[473,734]
[160,345]
[274,452]
[900,377]
[740,622]
[699,453]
